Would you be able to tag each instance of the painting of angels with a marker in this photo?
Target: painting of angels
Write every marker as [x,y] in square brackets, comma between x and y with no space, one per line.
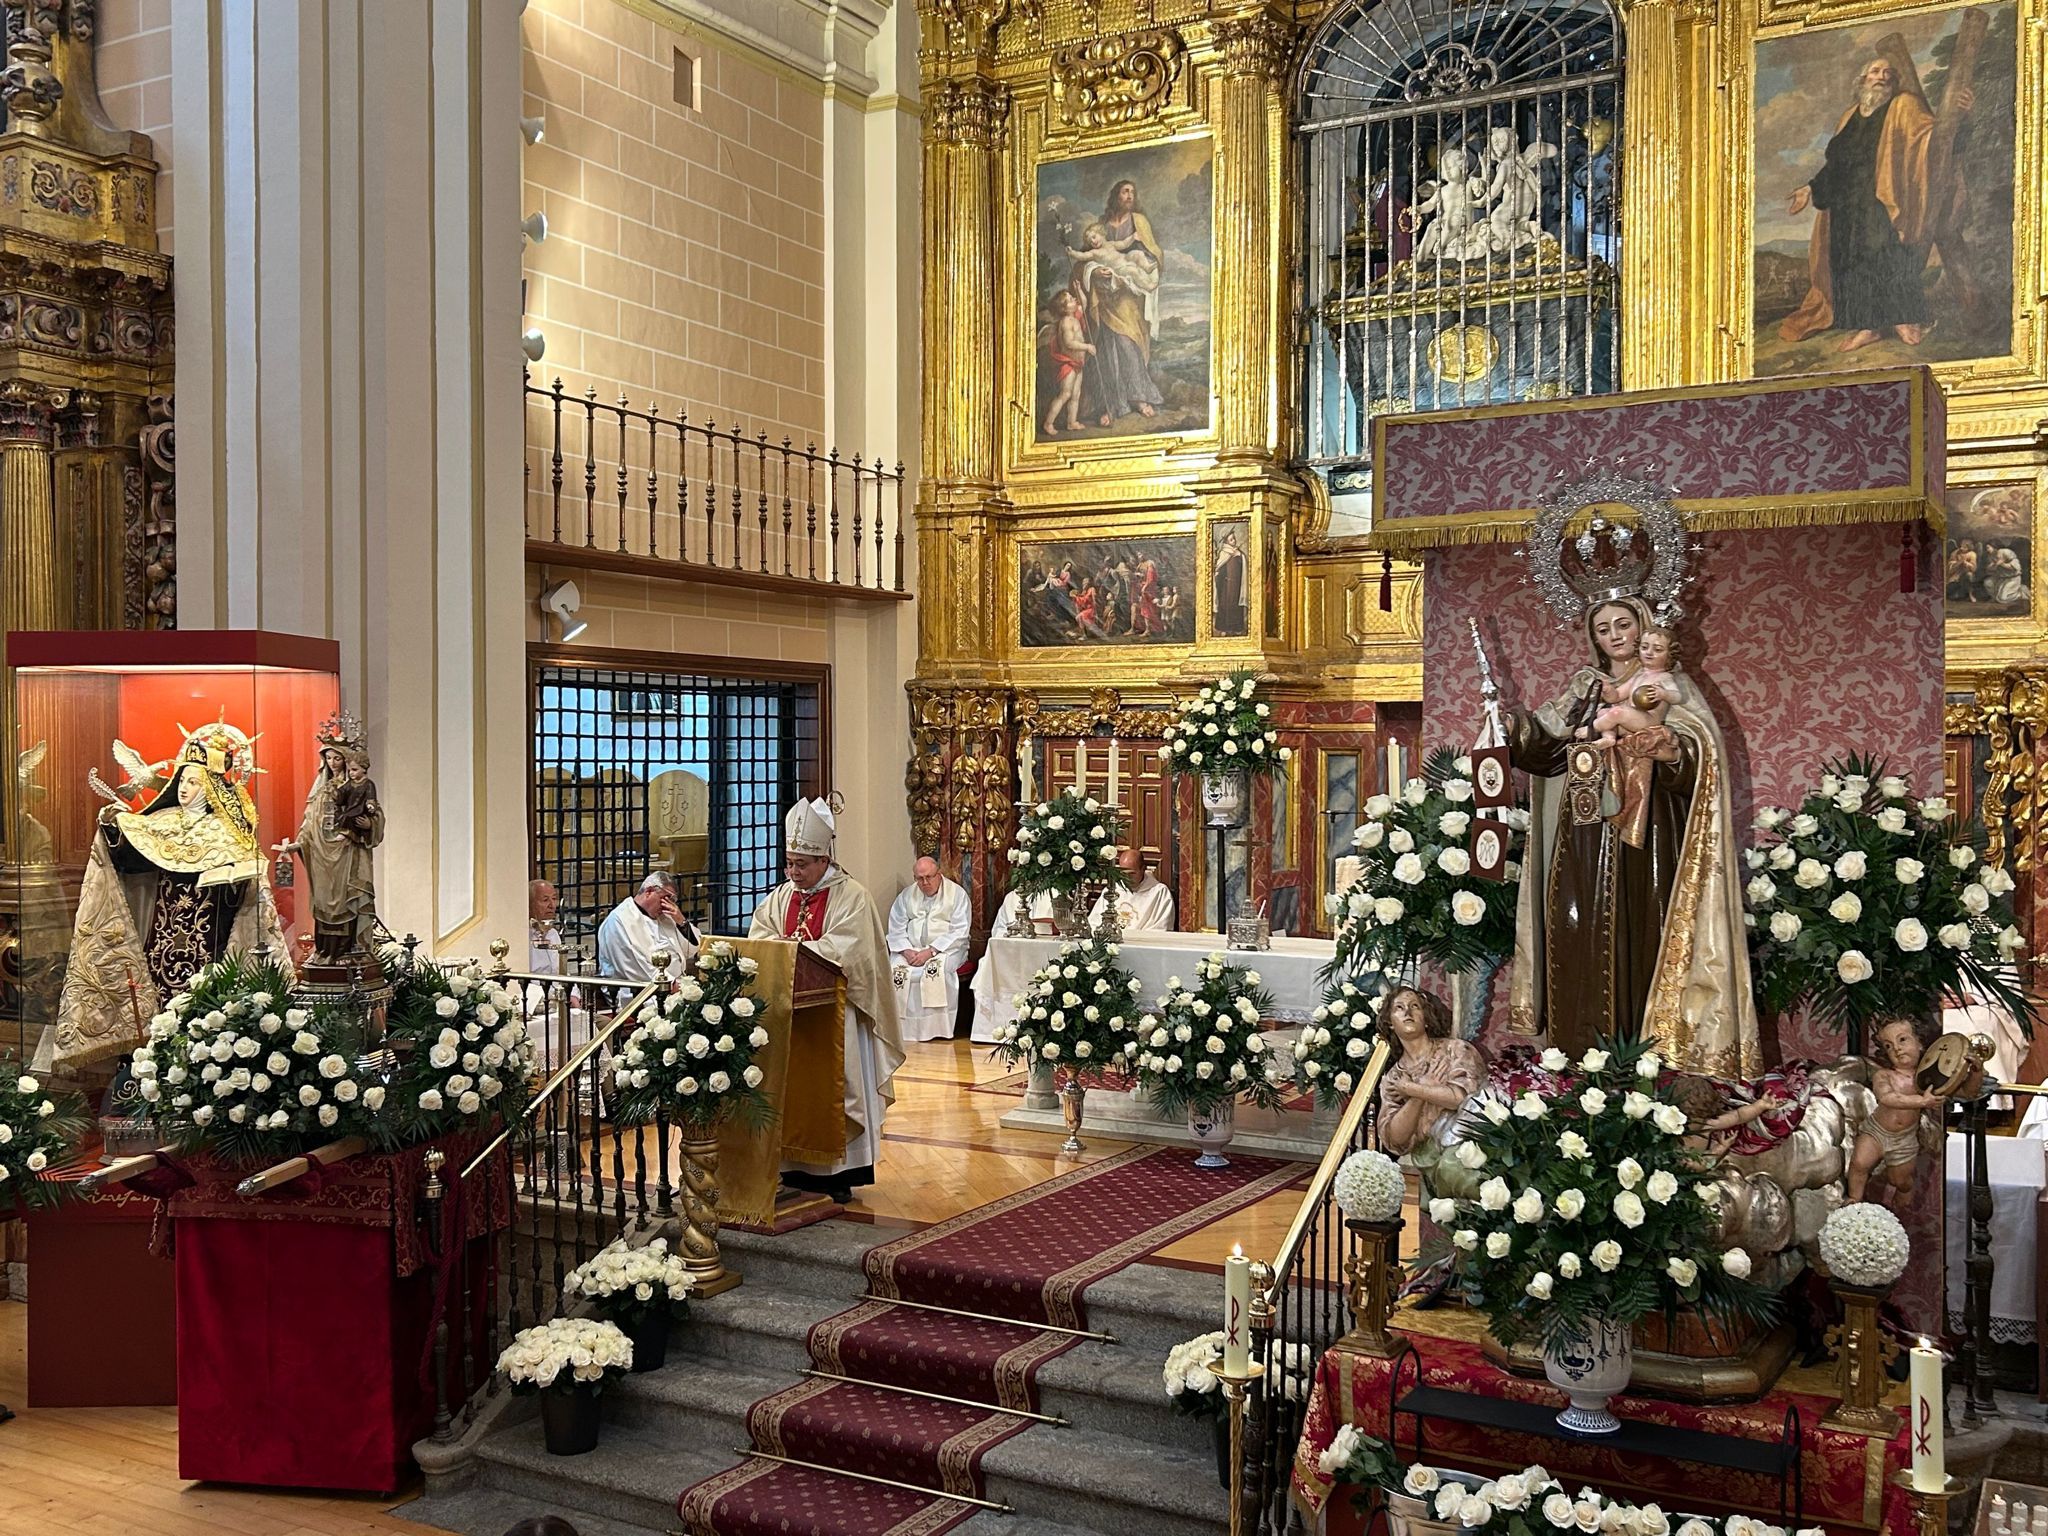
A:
[1884,192]
[1121,291]
[1990,551]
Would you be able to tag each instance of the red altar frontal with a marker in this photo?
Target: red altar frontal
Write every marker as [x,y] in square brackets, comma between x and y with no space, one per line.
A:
[306,1317]
[1842,1480]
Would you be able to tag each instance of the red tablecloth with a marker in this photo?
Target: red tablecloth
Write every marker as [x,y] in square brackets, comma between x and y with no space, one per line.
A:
[1847,1476]
[305,1320]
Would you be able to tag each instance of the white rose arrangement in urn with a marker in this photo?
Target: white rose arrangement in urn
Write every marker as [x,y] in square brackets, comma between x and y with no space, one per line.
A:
[1225,737]
[1078,1018]
[1200,1049]
[1066,849]
[1594,1211]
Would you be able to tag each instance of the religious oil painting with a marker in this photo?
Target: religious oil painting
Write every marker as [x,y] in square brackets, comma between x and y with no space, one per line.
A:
[1990,553]
[1229,577]
[1093,592]
[1121,292]
[1884,192]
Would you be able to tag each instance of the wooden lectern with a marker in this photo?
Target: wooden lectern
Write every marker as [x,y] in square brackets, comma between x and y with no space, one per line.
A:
[802,996]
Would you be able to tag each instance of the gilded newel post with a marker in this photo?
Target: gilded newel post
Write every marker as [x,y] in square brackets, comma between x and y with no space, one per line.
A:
[1249,273]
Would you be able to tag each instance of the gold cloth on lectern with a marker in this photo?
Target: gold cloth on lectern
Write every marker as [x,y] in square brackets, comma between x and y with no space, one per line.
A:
[803,1070]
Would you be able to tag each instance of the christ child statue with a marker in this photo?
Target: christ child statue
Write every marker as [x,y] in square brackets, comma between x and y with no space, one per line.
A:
[1640,701]
[357,814]
[1888,1145]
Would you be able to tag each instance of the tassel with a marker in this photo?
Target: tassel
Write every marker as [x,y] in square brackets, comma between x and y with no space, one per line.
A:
[1386,582]
[1909,564]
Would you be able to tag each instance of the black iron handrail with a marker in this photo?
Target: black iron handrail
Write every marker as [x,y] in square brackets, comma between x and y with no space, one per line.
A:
[616,487]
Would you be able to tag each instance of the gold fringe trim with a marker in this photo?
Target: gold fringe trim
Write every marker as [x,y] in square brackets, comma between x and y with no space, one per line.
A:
[1412,535]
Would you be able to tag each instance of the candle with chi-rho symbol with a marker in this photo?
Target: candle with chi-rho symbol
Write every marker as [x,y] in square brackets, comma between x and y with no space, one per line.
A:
[1237,1308]
[1923,1429]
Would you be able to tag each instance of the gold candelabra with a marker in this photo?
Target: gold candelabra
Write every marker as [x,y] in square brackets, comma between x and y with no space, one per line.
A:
[1234,1386]
[1930,1509]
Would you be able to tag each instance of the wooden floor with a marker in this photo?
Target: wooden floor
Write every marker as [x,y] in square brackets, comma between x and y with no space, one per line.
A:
[114,1471]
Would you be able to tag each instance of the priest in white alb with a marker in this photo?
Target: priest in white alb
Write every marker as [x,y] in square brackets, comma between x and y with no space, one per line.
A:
[642,925]
[827,910]
[929,925]
[1145,907]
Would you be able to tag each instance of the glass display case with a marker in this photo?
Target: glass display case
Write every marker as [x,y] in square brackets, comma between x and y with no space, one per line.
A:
[154,774]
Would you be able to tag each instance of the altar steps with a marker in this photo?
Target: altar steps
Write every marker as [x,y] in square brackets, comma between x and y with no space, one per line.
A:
[1126,1465]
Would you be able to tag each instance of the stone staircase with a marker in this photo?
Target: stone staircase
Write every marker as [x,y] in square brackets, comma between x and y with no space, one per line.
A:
[1124,1465]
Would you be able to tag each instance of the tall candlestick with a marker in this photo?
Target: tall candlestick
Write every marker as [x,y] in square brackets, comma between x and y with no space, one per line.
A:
[1026,755]
[1081,768]
[1394,779]
[1237,1311]
[1930,1472]
[1116,768]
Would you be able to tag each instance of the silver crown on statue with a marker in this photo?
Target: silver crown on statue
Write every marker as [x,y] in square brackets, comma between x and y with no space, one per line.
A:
[1603,533]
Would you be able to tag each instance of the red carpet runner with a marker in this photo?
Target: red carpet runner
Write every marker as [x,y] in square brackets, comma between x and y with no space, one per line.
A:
[1028,1257]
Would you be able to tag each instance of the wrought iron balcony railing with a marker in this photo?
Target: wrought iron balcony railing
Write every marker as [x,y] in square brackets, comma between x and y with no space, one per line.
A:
[612,487]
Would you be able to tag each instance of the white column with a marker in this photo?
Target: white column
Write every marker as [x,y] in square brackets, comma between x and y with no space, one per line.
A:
[348,383]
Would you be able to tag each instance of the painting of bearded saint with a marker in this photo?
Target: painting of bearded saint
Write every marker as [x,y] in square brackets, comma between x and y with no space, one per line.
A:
[1884,186]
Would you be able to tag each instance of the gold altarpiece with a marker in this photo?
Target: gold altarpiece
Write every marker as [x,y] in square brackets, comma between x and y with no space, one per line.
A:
[1013,85]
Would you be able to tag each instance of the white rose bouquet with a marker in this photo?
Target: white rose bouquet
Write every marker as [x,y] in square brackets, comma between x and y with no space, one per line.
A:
[235,1065]
[465,1057]
[1333,1045]
[40,1134]
[564,1353]
[1067,842]
[1866,903]
[1080,1013]
[691,1058]
[1592,1207]
[630,1286]
[1193,1389]
[1416,897]
[1200,1047]
[1226,728]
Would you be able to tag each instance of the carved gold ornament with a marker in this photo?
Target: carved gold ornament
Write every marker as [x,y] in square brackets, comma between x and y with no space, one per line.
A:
[1111,80]
[1463,354]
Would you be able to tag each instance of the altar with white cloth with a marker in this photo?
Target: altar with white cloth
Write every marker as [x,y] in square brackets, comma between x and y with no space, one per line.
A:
[1288,970]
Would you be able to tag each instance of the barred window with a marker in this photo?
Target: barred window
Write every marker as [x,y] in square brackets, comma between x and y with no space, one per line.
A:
[1460,235]
[639,768]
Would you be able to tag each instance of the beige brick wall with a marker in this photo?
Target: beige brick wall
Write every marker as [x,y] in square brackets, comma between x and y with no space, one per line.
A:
[132,60]
[634,613]
[685,257]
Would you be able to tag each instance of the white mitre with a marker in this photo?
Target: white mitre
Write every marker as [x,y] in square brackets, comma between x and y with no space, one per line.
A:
[808,829]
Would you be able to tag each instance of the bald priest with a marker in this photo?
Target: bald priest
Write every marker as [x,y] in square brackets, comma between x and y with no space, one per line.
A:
[828,910]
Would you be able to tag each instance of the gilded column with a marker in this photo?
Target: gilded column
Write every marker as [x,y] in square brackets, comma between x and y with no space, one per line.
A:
[1653,246]
[965,122]
[33,588]
[1248,268]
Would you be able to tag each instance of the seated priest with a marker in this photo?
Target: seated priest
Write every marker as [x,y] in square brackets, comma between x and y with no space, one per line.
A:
[929,923]
[643,923]
[1013,922]
[828,910]
[544,936]
[1147,907]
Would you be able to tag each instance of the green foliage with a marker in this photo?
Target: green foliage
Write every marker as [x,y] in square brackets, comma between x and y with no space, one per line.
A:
[1079,1012]
[464,1053]
[40,1137]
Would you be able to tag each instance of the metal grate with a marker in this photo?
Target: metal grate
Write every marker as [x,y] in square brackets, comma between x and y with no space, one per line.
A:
[1461,227]
[642,768]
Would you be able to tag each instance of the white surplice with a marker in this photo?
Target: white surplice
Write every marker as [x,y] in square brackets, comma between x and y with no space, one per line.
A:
[928,995]
[1145,908]
[628,938]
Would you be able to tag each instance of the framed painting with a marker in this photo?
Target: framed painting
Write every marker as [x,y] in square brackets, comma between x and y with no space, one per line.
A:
[1121,292]
[1230,545]
[1988,564]
[1883,229]
[1106,592]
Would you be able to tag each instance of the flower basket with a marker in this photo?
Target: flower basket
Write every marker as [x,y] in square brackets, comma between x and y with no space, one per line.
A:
[641,1289]
[568,1361]
[1865,905]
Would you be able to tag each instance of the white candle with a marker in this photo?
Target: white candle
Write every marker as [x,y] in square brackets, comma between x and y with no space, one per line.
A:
[1116,768]
[1081,768]
[1930,1473]
[1394,779]
[1027,755]
[1237,1309]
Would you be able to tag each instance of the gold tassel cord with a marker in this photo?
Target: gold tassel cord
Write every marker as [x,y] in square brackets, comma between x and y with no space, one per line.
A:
[1412,535]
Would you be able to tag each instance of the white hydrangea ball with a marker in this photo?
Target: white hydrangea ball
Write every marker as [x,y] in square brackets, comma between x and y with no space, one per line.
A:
[1864,1245]
[1369,1187]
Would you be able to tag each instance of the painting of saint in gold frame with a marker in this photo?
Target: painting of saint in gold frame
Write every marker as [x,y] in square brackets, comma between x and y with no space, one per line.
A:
[1121,292]
[1988,566]
[1884,219]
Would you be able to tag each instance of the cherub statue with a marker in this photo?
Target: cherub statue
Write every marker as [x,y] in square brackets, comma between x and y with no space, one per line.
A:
[1888,1143]
[1513,191]
[1640,701]
[1452,207]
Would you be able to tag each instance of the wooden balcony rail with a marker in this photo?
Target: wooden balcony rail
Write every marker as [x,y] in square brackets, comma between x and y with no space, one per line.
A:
[613,487]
